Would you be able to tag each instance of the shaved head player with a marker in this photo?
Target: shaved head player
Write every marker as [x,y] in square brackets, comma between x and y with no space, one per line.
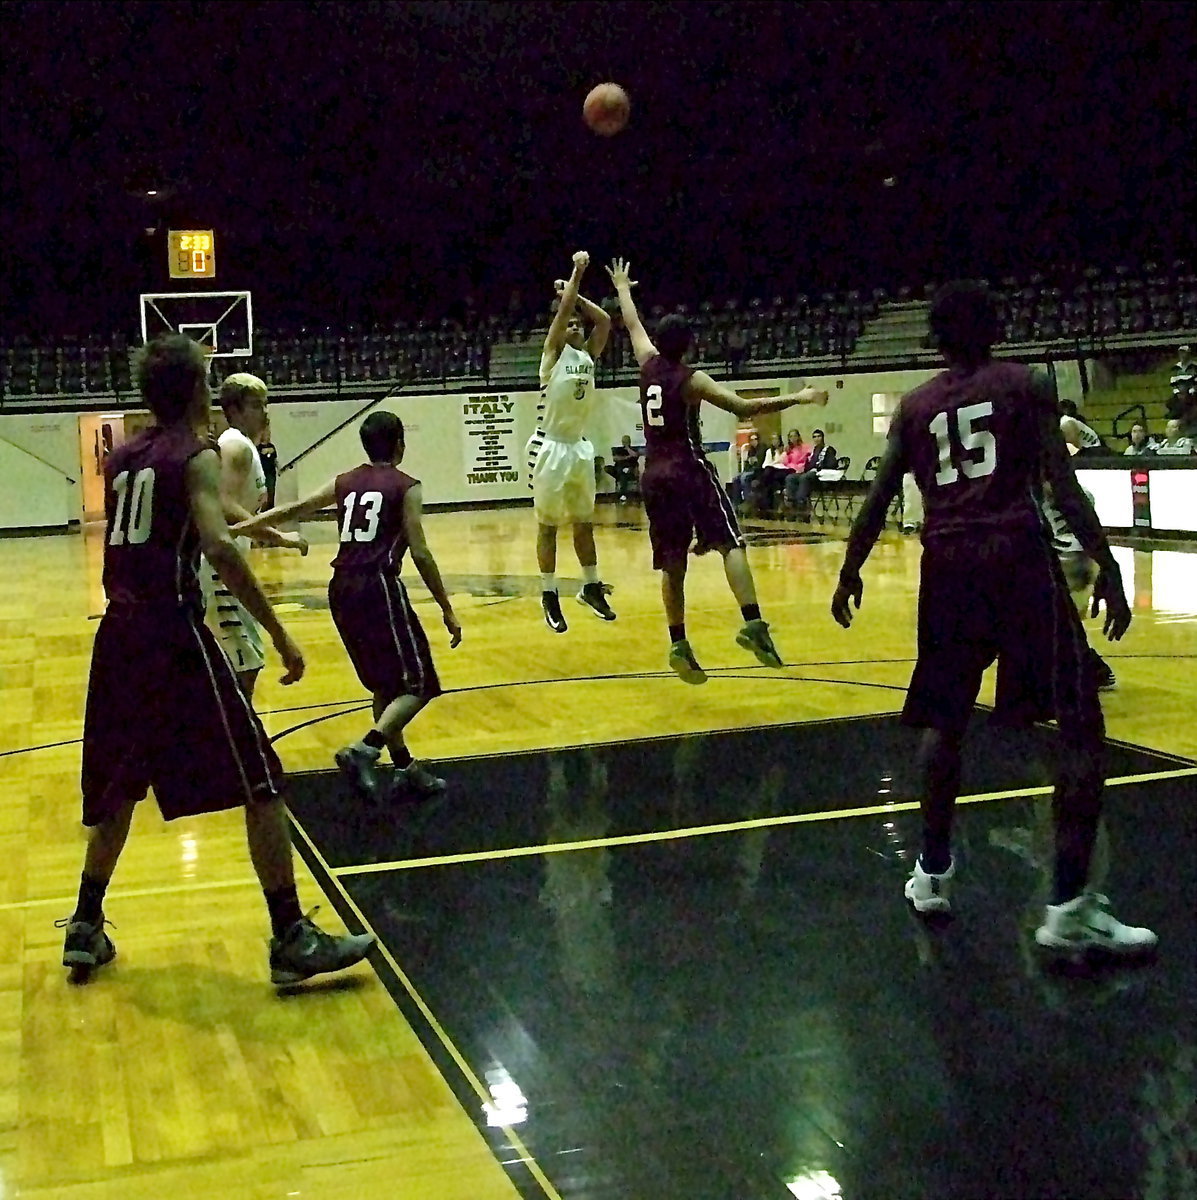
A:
[982,438]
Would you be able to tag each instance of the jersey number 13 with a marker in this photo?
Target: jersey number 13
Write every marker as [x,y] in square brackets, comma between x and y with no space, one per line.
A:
[368,513]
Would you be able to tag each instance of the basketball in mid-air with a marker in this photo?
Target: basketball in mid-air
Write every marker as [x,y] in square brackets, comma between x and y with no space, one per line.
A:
[606,109]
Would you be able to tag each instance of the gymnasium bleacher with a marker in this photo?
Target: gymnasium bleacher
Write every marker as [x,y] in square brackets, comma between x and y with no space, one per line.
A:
[1054,312]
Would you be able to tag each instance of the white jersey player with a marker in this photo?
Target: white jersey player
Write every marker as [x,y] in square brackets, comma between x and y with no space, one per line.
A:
[560,455]
[1079,573]
[242,493]
[1080,437]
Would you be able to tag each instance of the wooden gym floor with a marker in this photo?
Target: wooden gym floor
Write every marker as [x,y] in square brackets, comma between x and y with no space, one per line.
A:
[178,1071]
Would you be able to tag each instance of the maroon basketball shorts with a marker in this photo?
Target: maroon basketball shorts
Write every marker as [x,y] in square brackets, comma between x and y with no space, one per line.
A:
[685,503]
[383,635]
[1004,599]
[165,711]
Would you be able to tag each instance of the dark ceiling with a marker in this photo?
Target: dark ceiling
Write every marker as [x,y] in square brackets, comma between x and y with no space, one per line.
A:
[376,157]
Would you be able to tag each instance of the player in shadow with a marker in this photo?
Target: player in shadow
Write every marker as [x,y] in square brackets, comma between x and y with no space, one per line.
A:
[982,438]
[380,519]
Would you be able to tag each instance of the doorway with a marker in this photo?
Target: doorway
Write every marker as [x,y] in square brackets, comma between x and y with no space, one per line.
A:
[99,435]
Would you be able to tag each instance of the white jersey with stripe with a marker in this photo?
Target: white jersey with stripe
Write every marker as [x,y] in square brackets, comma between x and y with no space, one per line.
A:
[253,491]
[568,394]
[1064,541]
[1090,440]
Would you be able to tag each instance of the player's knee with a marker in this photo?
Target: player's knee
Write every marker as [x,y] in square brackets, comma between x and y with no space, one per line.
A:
[939,747]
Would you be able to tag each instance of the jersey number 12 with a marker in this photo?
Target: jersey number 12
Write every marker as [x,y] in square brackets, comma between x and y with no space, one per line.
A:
[971,440]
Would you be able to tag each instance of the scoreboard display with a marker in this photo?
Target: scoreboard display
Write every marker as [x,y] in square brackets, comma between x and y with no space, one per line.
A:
[191,254]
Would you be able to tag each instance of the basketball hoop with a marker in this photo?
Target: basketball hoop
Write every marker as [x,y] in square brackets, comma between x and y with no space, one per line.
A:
[222,322]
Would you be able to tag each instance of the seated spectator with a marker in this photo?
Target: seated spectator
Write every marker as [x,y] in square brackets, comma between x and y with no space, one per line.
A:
[752,458]
[1139,442]
[625,469]
[797,451]
[820,457]
[774,472]
[791,461]
[1174,441]
[1081,437]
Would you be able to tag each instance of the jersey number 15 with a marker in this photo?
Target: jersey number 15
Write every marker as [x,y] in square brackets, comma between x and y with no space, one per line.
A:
[369,513]
[970,440]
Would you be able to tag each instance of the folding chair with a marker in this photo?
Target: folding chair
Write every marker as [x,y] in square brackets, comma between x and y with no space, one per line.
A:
[898,507]
[834,488]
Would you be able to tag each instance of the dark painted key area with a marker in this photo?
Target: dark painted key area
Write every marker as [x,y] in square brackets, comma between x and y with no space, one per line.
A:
[754,1013]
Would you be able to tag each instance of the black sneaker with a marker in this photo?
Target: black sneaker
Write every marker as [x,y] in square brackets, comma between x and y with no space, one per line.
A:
[360,768]
[86,947]
[553,618]
[418,780]
[1107,681]
[594,596]
[306,950]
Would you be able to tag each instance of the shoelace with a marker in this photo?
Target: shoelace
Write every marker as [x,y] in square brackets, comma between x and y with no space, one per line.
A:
[307,917]
[66,921]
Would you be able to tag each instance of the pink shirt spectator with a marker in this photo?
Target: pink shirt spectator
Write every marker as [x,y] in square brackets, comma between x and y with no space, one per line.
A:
[795,457]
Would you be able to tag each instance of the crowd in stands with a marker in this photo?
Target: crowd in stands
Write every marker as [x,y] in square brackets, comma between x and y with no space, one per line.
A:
[733,335]
[1174,441]
[1092,305]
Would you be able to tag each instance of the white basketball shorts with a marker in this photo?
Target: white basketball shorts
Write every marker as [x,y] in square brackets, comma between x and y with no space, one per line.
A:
[562,481]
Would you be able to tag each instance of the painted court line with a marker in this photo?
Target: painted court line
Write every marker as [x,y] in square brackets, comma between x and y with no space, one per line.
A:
[476,1085]
[663,835]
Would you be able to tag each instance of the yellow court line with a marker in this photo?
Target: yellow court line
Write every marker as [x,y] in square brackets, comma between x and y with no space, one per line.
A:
[480,1090]
[662,835]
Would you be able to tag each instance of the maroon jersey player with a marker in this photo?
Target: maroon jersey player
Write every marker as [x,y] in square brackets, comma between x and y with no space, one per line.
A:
[164,709]
[379,519]
[981,439]
[686,504]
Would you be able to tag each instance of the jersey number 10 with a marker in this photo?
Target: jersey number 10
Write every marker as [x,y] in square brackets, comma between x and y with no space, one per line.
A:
[370,510]
[134,514]
[970,440]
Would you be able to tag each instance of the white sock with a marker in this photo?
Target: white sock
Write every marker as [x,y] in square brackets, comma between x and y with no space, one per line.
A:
[372,751]
[590,574]
[548,583]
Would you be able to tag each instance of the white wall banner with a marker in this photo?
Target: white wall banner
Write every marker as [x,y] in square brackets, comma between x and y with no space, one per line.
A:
[464,449]
[491,452]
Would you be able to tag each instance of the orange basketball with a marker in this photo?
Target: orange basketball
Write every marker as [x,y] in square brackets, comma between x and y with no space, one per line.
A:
[606,109]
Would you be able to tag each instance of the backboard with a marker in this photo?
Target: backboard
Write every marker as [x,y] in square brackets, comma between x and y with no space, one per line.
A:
[221,321]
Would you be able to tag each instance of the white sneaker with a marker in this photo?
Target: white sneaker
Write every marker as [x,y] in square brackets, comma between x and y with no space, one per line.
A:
[1086,923]
[930,893]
